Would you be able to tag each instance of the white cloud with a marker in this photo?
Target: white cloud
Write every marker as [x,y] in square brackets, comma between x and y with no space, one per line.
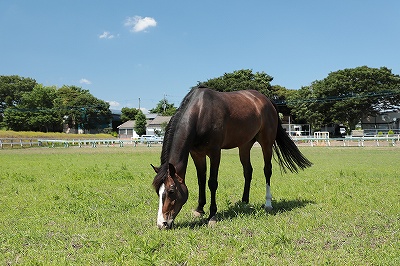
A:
[85,81]
[114,104]
[138,23]
[106,35]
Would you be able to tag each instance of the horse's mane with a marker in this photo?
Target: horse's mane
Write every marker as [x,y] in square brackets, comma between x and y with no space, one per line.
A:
[168,139]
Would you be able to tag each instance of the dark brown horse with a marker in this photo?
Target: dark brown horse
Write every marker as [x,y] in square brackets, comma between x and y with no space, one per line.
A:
[206,122]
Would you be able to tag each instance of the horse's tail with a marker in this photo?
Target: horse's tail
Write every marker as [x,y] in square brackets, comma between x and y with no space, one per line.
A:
[287,153]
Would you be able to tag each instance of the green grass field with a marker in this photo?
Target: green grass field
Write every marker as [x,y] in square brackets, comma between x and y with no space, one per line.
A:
[96,206]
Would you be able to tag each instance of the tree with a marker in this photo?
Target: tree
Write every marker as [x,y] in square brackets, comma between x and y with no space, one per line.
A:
[164,108]
[128,114]
[11,90]
[16,119]
[80,109]
[279,96]
[140,123]
[35,111]
[346,96]
[243,79]
[44,117]
[303,107]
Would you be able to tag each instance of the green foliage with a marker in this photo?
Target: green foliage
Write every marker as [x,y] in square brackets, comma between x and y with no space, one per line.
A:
[128,114]
[79,207]
[80,109]
[243,79]
[12,89]
[346,96]
[35,111]
[164,108]
[140,123]
[26,105]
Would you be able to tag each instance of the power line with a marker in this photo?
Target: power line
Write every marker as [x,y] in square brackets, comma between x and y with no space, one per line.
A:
[339,98]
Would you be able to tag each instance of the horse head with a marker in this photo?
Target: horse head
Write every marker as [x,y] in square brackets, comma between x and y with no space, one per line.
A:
[173,194]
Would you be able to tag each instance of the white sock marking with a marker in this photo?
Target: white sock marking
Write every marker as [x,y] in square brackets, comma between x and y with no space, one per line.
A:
[268,199]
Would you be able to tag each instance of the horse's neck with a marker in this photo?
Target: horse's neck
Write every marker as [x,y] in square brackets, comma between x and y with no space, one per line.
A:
[180,148]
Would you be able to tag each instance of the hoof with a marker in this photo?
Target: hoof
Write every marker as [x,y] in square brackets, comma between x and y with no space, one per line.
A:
[212,221]
[197,214]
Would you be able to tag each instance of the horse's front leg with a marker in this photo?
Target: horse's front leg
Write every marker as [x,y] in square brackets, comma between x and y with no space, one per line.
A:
[213,185]
[201,168]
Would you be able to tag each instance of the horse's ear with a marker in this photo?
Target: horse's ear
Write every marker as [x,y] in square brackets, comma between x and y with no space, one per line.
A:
[172,173]
[156,169]
[172,170]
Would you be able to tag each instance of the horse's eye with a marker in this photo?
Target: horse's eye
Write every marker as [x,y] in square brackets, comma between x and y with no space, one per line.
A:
[172,194]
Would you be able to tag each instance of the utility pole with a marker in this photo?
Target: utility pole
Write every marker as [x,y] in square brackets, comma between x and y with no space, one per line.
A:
[139,103]
[164,104]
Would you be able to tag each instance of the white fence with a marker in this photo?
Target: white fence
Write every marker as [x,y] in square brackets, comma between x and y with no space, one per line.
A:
[361,141]
[348,141]
[18,142]
[26,143]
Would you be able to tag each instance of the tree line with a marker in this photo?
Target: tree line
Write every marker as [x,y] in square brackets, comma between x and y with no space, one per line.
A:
[343,97]
[26,105]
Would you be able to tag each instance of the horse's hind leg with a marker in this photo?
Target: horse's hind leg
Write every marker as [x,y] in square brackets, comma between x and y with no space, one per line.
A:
[215,158]
[268,196]
[244,153]
[267,152]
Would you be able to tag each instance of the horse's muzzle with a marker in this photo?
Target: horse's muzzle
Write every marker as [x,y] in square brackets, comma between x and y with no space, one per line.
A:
[166,225]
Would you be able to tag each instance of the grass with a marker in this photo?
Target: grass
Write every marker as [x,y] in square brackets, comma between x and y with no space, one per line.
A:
[96,206]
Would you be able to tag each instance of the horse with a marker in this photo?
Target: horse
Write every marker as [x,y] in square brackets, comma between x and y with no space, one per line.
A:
[206,122]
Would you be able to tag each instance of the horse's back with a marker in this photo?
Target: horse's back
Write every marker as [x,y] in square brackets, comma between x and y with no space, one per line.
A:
[230,119]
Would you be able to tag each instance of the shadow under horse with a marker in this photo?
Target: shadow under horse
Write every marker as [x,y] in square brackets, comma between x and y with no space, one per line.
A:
[240,209]
[206,122]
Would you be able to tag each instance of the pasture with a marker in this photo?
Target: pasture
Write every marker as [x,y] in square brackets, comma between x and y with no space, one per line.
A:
[96,206]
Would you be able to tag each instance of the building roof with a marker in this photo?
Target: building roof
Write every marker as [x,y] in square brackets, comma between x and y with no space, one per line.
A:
[151,116]
[127,124]
[158,120]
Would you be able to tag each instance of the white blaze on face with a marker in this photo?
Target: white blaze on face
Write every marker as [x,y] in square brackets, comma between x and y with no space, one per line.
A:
[160,218]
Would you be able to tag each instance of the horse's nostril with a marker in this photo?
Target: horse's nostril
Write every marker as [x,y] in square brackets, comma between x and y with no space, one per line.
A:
[165,224]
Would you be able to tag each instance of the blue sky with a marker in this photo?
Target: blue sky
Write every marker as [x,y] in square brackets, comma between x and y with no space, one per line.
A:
[125,50]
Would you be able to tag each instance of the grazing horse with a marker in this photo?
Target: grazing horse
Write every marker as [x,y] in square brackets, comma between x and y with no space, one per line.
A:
[206,122]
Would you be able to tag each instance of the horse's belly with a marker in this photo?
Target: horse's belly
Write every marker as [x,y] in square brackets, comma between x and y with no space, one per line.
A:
[235,139]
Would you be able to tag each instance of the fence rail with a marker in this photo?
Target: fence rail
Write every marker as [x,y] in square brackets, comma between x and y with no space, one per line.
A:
[386,140]
[18,142]
[93,142]
[360,141]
